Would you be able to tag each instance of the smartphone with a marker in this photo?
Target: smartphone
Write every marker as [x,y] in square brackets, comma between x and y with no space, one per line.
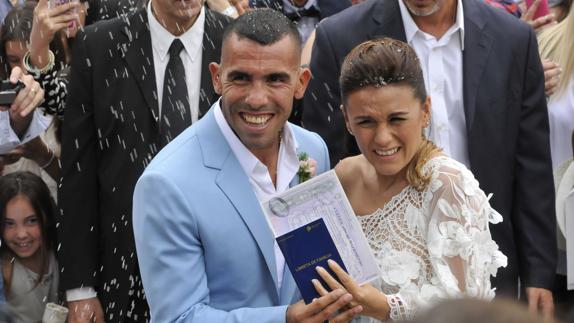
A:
[9,91]
[55,3]
[542,8]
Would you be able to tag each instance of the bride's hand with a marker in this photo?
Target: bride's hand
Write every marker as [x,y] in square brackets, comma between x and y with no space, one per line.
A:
[374,302]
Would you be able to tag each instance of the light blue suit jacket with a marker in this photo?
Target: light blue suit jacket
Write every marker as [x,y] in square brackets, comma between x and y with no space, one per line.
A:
[204,247]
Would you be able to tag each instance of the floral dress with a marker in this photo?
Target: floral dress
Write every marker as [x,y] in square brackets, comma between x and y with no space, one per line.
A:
[434,244]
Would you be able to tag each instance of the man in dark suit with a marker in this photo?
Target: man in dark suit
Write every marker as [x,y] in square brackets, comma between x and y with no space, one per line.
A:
[500,114]
[121,110]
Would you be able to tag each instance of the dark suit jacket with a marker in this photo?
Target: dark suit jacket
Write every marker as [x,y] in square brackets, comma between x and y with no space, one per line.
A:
[108,9]
[506,119]
[327,7]
[109,136]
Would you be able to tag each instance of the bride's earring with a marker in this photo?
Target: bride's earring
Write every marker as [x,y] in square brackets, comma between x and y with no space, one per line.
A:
[425,131]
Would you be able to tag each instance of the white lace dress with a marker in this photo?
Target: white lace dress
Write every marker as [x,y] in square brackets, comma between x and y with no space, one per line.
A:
[434,244]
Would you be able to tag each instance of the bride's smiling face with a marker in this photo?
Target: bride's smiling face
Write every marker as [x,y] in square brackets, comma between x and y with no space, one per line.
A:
[387,123]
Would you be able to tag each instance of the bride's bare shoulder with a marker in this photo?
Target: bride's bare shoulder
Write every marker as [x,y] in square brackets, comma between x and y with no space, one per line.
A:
[350,168]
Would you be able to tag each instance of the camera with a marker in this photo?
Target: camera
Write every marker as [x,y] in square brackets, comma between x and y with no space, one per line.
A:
[9,91]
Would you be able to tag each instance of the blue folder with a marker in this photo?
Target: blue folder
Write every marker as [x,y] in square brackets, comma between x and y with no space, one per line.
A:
[306,248]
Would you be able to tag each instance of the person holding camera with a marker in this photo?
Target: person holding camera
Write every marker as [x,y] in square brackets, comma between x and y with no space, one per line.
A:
[19,120]
[41,154]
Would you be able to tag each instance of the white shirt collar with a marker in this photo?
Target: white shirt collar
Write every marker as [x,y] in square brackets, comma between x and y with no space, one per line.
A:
[411,27]
[289,7]
[192,38]
[247,160]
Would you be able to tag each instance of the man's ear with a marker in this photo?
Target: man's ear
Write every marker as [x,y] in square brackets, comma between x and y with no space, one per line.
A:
[302,82]
[214,68]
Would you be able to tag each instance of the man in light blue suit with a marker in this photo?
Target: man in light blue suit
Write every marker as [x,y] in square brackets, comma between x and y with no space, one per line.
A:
[206,251]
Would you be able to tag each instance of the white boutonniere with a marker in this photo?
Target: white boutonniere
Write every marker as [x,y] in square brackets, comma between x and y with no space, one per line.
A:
[307,167]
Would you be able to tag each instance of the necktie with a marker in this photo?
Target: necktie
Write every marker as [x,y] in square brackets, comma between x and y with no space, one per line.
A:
[175,114]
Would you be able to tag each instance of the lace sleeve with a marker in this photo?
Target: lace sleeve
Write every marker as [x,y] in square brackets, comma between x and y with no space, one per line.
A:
[461,250]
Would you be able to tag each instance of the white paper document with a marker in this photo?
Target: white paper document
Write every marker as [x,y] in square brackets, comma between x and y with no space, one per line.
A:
[323,197]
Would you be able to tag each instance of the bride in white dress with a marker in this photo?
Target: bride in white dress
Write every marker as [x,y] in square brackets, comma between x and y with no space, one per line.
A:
[423,213]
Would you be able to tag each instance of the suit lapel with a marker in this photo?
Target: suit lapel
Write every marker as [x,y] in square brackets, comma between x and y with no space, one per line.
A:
[206,88]
[234,183]
[477,46]
[388,21]
[212,38]
[138,55]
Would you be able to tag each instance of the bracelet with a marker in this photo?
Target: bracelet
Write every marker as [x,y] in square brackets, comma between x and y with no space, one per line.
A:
[230,11]
[52,156]
[38,71]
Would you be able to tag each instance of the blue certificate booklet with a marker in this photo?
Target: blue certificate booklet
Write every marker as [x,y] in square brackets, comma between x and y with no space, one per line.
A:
[306,248]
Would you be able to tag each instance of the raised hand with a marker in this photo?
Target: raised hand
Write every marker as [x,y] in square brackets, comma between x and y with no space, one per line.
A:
[540,22]
[25,102]
[47,22]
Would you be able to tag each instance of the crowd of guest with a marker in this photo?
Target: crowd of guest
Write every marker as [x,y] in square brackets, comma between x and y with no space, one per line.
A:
[138,139]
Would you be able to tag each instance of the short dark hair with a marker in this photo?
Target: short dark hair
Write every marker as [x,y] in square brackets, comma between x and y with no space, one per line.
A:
[381,62]
[263,26]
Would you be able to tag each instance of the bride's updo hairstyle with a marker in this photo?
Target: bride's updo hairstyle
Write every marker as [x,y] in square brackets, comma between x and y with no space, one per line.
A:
[383,62]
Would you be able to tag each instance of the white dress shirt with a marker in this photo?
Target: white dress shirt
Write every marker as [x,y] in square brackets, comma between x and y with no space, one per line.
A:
[561,116]
[258,174]
[441,62]
[305,25]
[10,140]
[191,56]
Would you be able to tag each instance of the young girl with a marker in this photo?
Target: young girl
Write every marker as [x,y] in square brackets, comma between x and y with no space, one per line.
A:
[27,224]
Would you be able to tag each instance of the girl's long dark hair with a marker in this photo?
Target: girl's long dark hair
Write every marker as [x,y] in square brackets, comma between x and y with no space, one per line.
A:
[35,190]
